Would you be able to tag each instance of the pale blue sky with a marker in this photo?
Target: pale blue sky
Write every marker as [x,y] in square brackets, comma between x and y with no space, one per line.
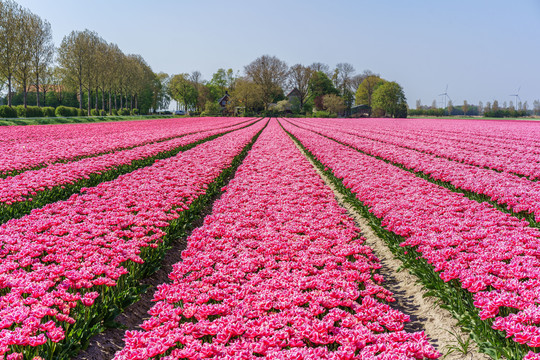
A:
[483,49]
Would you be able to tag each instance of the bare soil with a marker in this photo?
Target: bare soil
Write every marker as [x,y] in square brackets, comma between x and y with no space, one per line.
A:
[425,315]
[103,346]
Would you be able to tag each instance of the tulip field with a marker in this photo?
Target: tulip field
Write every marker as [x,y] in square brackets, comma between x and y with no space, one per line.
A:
[278,268]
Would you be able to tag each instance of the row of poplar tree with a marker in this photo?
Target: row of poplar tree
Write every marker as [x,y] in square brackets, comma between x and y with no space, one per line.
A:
[99,72]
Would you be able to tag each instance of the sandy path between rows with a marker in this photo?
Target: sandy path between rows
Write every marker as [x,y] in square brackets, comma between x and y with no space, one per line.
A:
[437,323]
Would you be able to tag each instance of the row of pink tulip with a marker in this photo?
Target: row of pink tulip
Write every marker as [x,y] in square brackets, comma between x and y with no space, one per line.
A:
[24,186]
[517,193]
[493,255]
[490,136]
[57,260]
[68,142]
[277,271]
[521,161]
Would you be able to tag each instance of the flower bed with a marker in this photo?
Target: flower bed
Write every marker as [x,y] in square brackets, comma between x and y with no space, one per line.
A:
[520,155]
[29,147]
[277,271]
[64,267]
[472,246]
[35,188]
[516,193]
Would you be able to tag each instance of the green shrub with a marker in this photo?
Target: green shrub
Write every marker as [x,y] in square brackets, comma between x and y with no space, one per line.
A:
[48,111]
[135,112]
[102,113]
[34,111]
[94,112]
[322,114]
[115,112]
[21,111]
[63,111]
[81,112]
[7,112]
[123,112]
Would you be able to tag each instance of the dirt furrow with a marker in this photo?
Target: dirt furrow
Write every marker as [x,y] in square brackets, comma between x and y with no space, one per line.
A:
[425,315]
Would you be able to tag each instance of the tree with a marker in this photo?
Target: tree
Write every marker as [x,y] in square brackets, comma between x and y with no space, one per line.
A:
[270,73]
[318,66]
[182,90]
[495,105]
[320,85]
[11,41]
[42,52]
[333,103]
[356,80]
[367,88]
[536,107]
[161,97]
[465,107]
[480,108]
[299,77]
[418,104]
[344,73]
[23,70]
[246,94]
[390,98]
[76,56]
[450,107]
[434,104]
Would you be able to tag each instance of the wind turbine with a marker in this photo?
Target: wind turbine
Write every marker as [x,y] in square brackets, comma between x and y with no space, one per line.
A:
[516,97]
[445,96]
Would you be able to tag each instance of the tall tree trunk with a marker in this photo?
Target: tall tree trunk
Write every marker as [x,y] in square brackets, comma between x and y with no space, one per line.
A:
[89,101]
[25,94]
[103,99]
[9,91]
[136,102]
[37,89]
[80,95]
[110,103]
[131,102]
[115,102]
[121,100]
[97,99]
[44,96]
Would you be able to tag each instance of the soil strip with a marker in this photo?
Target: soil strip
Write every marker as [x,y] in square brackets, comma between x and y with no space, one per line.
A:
[425,315]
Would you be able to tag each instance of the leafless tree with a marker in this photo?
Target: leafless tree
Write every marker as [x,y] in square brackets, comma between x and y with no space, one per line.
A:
[318,66]
[270,73]
[299,77]
[344,73]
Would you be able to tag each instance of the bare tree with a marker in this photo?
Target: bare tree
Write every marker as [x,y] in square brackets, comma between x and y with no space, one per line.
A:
[418,104]
[270,73]
[356,80]
[344,73]
[299,77]
[318,66]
